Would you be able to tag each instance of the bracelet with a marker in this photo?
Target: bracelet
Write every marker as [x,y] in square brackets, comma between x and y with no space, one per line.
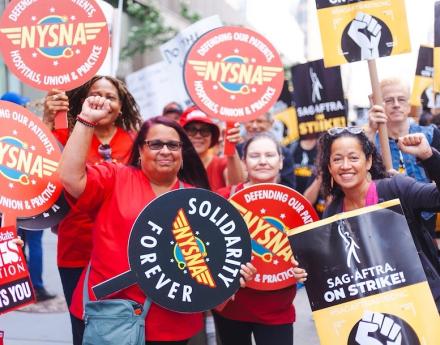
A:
[86,122]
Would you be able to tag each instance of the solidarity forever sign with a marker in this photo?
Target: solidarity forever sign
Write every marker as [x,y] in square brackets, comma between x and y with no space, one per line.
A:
[353,30]
[269,210]
[53,44]
[185,251]
[15,285]
[233,73]
[29,156]
[422,91]
[365,282]
[319,98]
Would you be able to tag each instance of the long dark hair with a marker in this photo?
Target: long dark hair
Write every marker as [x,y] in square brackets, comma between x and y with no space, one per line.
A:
[130,120]
[193,171]
[325,142]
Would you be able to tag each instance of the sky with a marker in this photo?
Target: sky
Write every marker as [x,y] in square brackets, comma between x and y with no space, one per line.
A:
[277,22]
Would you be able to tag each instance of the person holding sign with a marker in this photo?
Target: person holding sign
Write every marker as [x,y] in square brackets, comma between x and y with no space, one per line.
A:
[394,113]
[268,315]
[354,176]
[112,141]
[204,135]
[162,159]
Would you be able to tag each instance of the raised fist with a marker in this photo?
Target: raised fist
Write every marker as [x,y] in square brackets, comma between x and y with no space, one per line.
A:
[365,31]
[373,322]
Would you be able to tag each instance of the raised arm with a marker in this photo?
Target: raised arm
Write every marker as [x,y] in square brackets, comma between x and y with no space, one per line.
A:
[72,167]
[234,169]
[55,101]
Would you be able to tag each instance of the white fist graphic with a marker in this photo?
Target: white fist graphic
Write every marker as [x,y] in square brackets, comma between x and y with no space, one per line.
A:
[369,43]
[373,322]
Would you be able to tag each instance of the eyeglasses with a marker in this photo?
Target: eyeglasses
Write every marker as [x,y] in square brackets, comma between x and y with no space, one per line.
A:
[105,152]
[157,145]
[192,131]
[338,130]
[392,100]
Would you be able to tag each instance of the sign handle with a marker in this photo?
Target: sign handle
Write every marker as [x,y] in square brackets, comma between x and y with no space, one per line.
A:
[377,99]
[115,284]
[9,219]
[61,120]
[229,148]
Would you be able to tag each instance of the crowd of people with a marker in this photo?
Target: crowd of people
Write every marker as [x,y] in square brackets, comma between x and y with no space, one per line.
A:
[113,164]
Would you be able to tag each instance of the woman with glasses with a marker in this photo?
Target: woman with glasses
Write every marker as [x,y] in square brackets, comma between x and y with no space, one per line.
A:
[354,176]
[112,141]
[204,135]
[162,159]
[267,315]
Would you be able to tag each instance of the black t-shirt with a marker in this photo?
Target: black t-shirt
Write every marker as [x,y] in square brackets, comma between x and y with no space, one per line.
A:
[303,167]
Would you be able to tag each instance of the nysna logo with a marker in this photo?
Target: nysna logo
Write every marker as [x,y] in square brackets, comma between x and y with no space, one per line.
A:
[190,252]
[54,36]
[235,74]
[19,164]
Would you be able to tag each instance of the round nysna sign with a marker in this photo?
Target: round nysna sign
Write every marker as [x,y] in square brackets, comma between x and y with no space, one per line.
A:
[53,44]
[29,156]
[186,248]
[269,210]
[233,73]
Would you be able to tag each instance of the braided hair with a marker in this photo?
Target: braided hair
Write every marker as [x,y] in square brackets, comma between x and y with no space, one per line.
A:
[130,120]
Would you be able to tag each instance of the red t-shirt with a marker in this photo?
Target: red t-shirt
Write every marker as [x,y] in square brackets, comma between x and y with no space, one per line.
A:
[75,230]
[215,171]
[114,196]
[266,307]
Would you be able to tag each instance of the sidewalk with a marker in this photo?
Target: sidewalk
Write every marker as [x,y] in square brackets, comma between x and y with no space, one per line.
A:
[24,328]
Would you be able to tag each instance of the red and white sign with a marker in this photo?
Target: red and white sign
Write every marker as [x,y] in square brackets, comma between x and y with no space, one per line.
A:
[29,156]
[233,73]
[269,210]
[15,285]
[54,44]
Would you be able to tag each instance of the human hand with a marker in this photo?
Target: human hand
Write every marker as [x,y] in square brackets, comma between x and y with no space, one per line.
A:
[373,322]
[55,101]
[376,116]
[299,273]
[415,144]
[247,272]
[95,108]
[18,241]
[369,44]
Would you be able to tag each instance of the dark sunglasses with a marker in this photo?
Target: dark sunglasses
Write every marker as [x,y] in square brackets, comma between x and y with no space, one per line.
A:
[338,130]
[156,145]
[192,131]
[105,152]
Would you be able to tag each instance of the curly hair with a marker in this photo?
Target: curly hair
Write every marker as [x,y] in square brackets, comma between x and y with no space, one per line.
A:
[193,171]
[130,120]
[325,142]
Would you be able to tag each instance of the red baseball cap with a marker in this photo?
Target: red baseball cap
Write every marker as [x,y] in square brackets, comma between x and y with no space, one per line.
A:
[194,114]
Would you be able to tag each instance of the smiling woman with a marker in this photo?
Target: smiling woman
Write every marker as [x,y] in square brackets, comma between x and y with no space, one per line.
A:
[162,159]
[354,176]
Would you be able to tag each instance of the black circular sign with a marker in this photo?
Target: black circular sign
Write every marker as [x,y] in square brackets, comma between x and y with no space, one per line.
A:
[186,248]
[381,38]
[381,328]
[48,218]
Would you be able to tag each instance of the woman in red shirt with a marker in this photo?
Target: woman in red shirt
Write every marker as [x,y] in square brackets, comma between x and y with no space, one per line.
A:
[204,135]
[268,315]
[112,140]
[114,195]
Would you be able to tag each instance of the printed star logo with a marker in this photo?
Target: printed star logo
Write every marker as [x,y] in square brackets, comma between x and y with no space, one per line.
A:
[282,216]
[263,211]
[52,10]
[33,182]
[11,185]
